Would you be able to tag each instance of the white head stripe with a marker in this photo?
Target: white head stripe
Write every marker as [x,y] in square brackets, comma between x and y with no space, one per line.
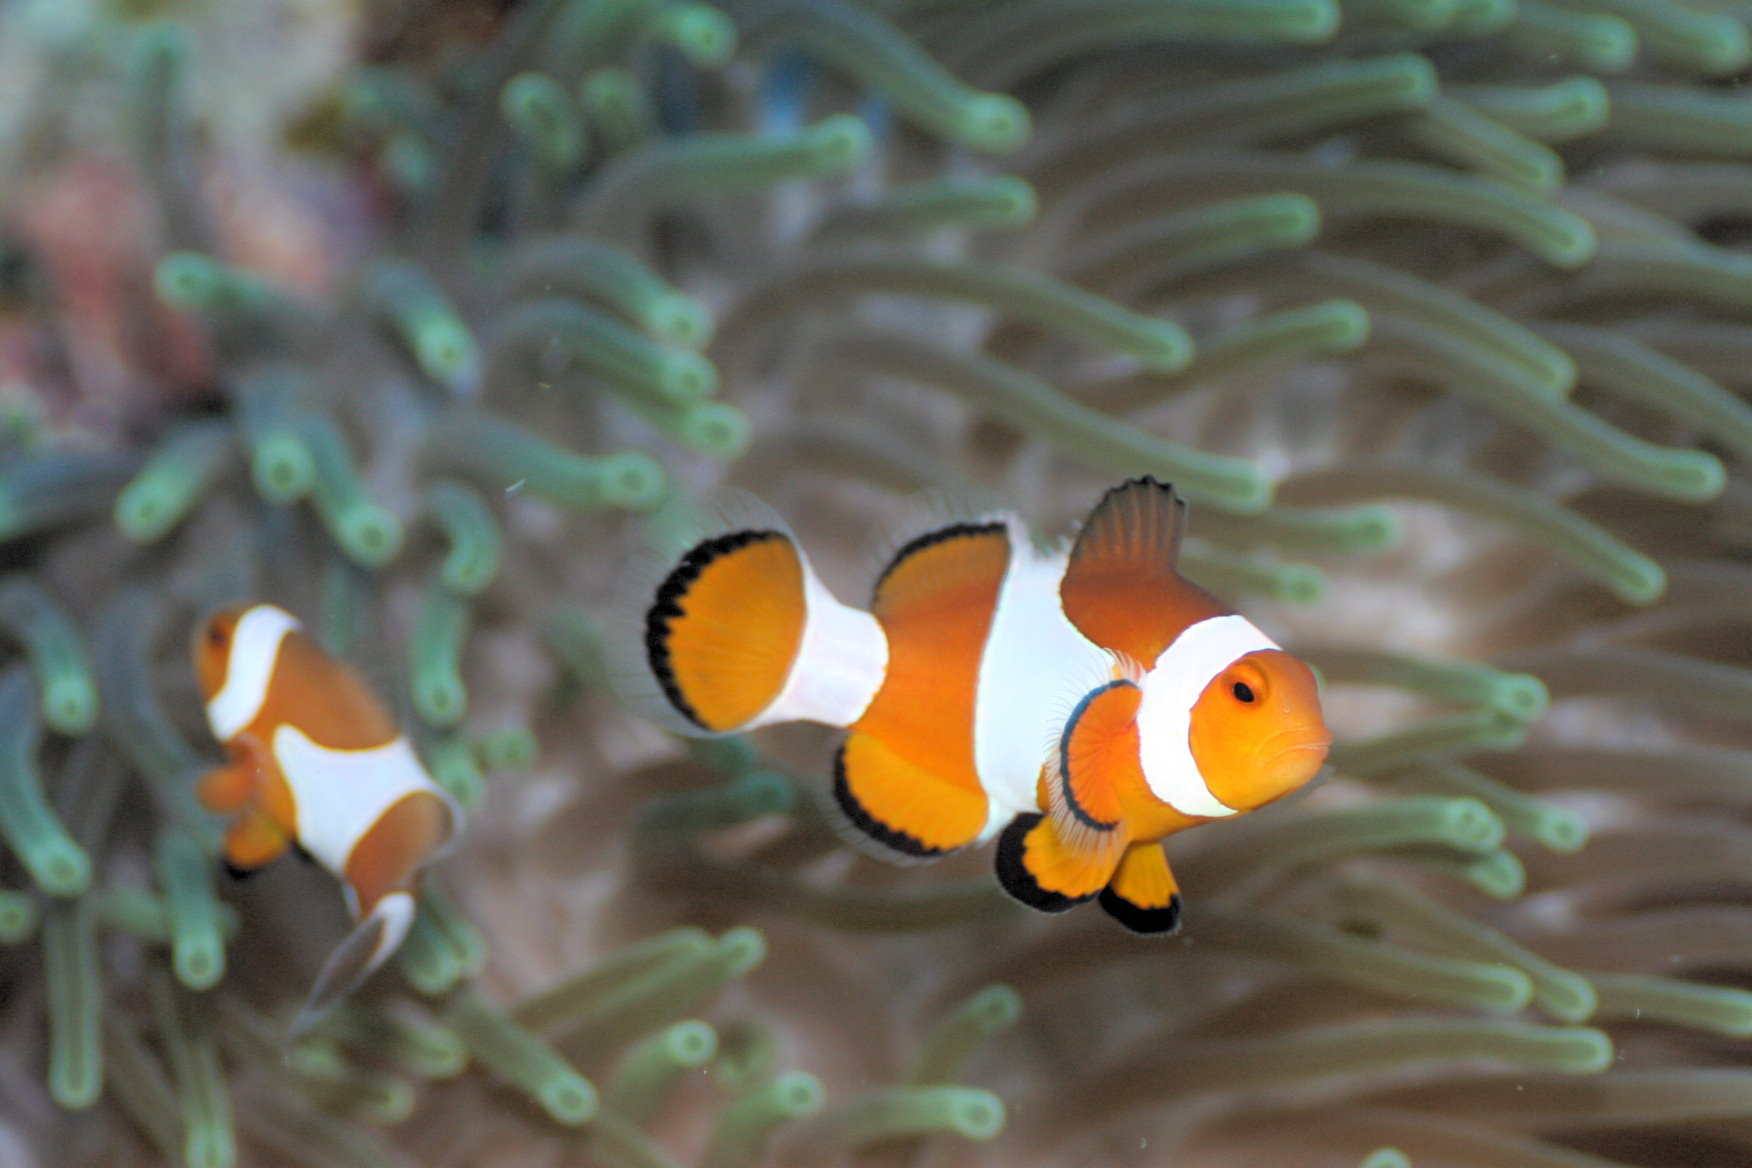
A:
[1171,689]
[255,646]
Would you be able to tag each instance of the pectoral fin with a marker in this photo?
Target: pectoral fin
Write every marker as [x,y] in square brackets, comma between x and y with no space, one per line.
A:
[226,790]
[252,841]
[1037,867]
[1143,895]
[1097,758]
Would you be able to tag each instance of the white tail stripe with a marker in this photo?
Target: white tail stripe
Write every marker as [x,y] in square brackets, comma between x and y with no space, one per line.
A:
[1171,689]
[841,662]
[255,646]
[396,911]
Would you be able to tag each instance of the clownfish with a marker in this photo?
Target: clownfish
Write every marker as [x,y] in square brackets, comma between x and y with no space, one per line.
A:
[317,764]
[1078,705]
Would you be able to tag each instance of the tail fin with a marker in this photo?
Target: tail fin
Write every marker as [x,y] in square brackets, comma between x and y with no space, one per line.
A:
[377,935]
[735,630]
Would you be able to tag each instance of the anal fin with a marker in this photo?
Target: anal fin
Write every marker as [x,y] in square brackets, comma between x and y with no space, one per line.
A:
[901,805]
[1143,895]
[1039,869]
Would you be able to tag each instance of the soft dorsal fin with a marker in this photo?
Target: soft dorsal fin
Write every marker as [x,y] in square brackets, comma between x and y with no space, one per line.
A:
[944,564]
[1121,588]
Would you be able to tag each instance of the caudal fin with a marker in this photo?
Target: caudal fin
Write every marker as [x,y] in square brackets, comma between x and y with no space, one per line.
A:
[373,940]
[736,631]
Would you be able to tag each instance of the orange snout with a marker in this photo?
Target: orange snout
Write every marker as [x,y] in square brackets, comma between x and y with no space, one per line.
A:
[1257,730]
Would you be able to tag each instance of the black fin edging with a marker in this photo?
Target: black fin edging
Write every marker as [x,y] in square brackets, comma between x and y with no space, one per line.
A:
[1158,921]
[1070,730]
[1175,500]
[1013,874]
[237,871]
[667,606]
[930,539]
[888,837]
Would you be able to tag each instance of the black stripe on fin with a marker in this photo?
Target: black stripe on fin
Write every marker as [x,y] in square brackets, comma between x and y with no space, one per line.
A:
[1013,874]
[667,606]
[861,819]
[1142,920]
[1078,811]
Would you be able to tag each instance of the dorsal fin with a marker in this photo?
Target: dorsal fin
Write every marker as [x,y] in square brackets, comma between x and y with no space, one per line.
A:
[1121,588]
[1136,527]
[946,562]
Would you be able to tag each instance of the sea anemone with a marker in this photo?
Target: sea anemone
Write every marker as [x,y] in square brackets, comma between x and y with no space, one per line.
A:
[415,323]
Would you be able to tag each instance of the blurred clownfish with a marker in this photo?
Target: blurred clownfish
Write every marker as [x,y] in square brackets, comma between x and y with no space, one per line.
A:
[318,764]
[1079,706]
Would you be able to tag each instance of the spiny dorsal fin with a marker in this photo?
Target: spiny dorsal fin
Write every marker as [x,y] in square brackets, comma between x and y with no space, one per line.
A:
[1121,589]
[1136,527]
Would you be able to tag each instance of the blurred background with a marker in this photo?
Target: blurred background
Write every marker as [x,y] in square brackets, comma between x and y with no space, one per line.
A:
[416,317]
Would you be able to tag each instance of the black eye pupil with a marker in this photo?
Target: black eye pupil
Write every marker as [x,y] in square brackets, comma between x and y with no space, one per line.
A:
[1243,692]
[216,636]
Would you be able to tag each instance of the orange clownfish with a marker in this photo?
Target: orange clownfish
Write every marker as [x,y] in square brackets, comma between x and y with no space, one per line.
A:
[1078,705]
[317,763]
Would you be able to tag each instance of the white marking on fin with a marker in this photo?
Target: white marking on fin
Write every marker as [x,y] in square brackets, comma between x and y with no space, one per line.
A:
[1030,649]
[356,958]
[1171,689]
[340,794]
[255,646]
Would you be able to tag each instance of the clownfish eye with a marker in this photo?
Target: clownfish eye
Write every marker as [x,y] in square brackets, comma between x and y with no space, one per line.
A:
[216,636]
[1243,692]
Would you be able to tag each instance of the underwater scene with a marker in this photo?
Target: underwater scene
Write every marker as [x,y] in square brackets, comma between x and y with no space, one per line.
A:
[650,583]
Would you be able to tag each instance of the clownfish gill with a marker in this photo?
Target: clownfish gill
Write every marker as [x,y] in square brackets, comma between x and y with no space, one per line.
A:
[1079,706]
[316,762]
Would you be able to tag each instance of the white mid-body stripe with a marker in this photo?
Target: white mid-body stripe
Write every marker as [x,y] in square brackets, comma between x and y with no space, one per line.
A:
[1171,689]
[255,646]
[1034,668]
[839,667]
[341,794]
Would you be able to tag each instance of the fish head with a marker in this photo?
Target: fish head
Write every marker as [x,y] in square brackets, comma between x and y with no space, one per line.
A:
[1257,732]
[211,649]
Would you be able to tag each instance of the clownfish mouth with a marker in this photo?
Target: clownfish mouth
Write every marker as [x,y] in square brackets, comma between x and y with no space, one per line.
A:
[1299,742]
[1291,759]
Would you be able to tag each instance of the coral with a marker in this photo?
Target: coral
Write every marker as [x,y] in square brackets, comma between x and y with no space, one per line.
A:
[1435,309]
